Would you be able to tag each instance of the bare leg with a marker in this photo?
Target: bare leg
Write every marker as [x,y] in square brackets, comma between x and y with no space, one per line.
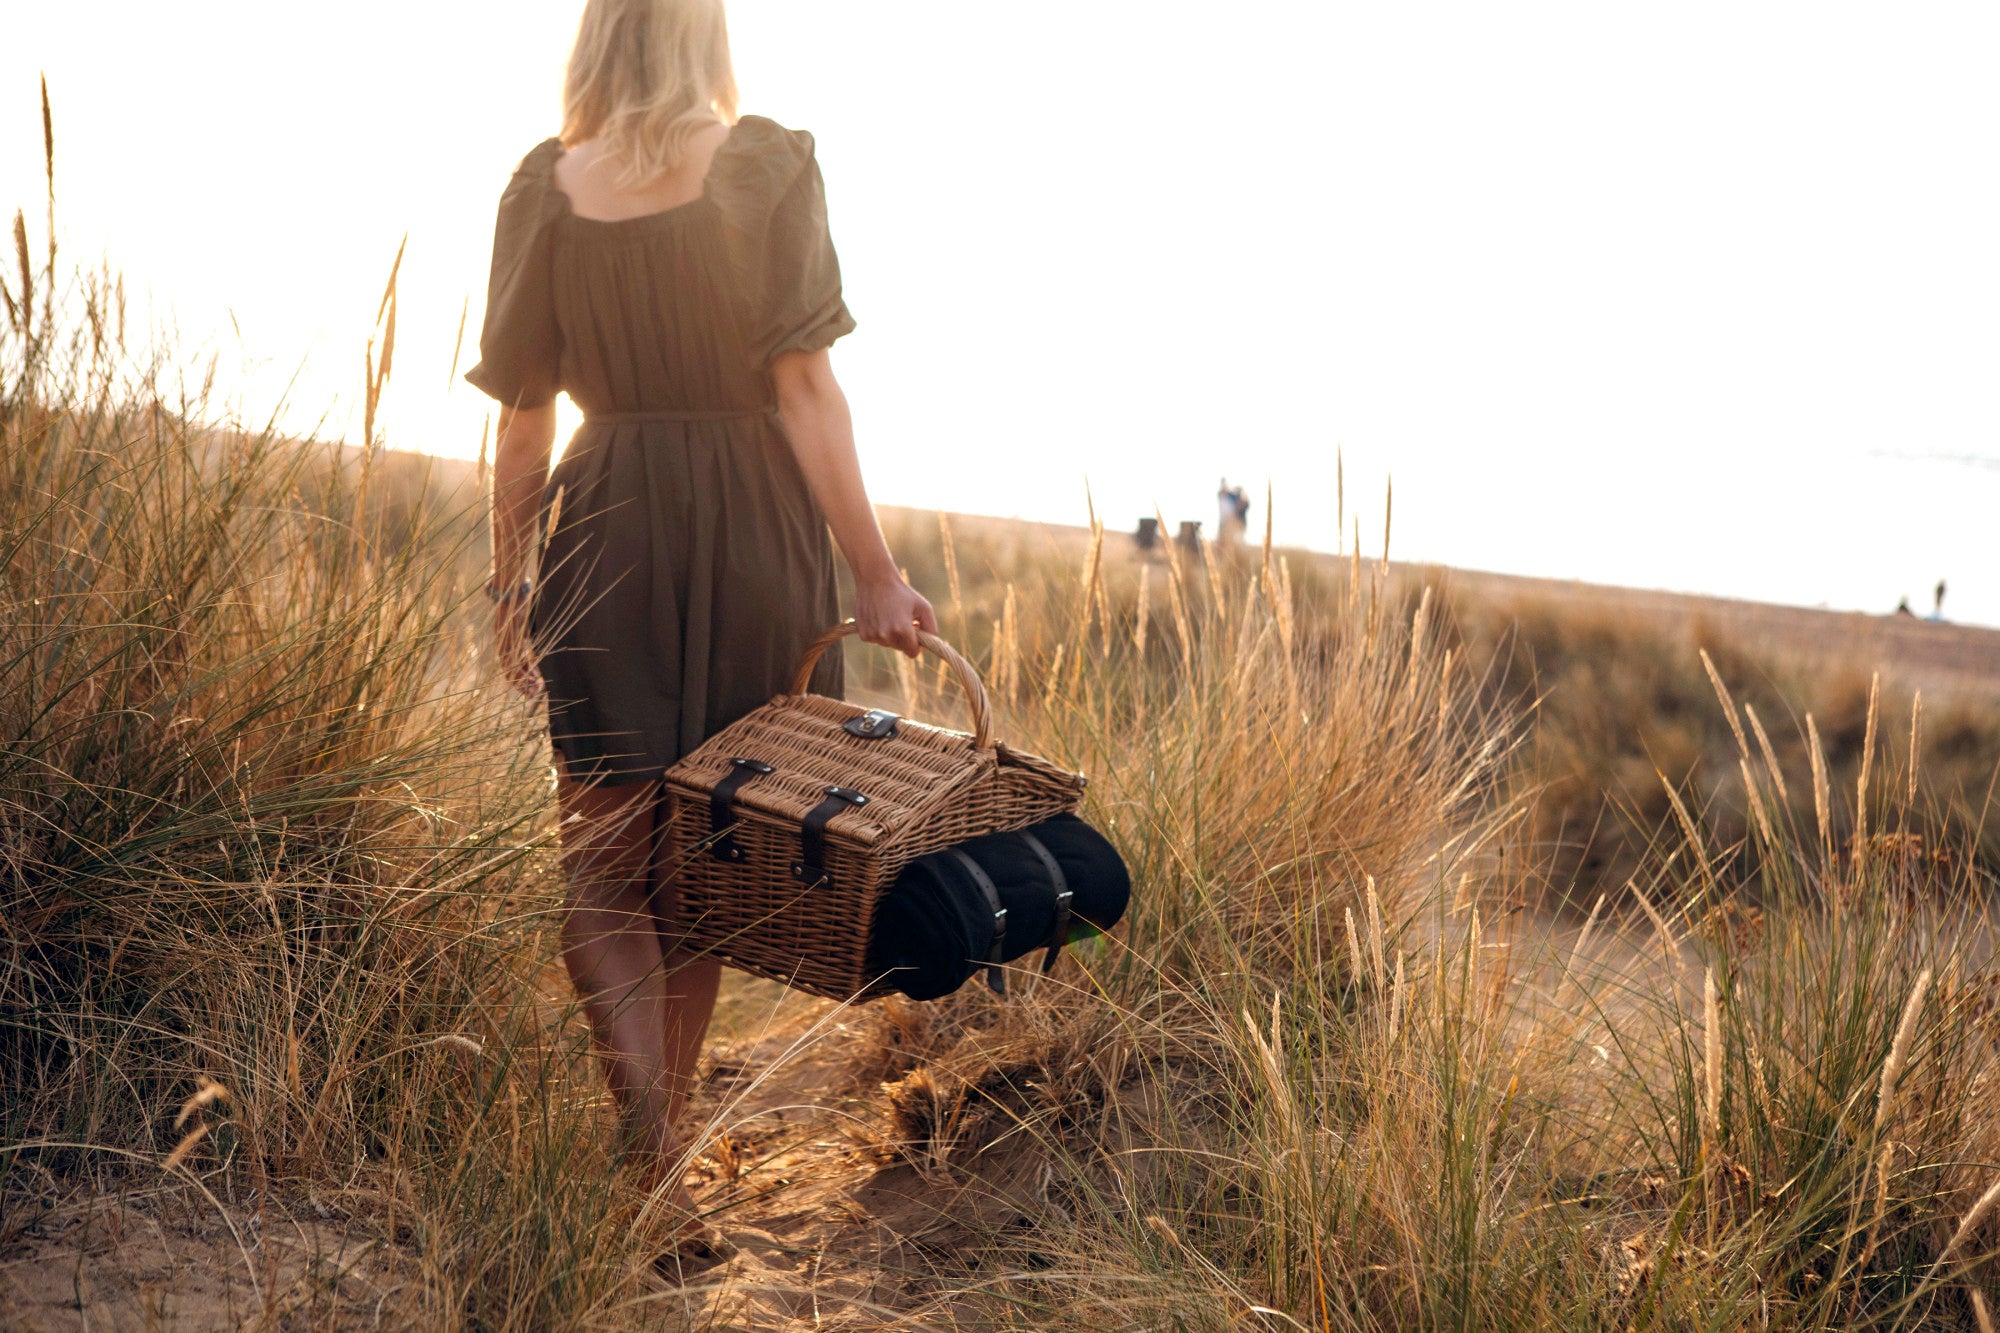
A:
[692,980]
[611,947]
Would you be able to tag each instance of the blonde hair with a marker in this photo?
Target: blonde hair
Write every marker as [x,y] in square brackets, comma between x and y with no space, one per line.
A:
[644,77]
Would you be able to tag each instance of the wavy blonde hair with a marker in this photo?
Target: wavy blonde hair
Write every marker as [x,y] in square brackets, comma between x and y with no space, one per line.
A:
[645,76]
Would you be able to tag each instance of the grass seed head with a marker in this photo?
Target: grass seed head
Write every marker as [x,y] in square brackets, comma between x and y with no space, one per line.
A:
[1968,1225]
[1899,1050]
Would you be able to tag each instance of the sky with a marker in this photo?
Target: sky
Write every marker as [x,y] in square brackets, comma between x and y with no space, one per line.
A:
[1703,297]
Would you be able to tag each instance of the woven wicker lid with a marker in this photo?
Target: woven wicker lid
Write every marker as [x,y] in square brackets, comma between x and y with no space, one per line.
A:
[907,776]
[802,736]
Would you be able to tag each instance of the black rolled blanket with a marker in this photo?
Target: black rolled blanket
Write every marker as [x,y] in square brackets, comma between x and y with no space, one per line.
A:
[935,927]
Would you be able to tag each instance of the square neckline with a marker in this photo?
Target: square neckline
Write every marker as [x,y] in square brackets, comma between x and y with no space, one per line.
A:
[569,205]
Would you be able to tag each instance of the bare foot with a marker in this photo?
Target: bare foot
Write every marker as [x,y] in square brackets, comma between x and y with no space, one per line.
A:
[682,1242]
[696,1248]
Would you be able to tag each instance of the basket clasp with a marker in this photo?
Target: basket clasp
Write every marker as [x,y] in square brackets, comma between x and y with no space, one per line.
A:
[877,724]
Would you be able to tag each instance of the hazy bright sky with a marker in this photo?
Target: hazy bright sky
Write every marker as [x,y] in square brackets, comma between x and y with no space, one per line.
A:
[1697,296]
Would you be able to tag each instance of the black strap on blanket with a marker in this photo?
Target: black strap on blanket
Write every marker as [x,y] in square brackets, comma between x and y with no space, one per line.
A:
[811,865]
[721,802]
[995,976]
[1059,928]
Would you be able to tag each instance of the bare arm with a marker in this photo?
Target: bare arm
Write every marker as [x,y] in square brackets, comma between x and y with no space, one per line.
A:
[814,412]
[520,470]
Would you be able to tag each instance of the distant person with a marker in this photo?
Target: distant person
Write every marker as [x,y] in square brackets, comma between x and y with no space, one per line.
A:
[1232,514]
[667,265]
[1903,608]
[1937,602]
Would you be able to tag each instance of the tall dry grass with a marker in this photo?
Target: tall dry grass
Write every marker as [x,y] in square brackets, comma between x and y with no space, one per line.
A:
[1620,697]
[1338,1075]
[277,901]
[274,853]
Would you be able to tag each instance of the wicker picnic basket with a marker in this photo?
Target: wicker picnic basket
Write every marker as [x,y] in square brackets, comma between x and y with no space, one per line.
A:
[784,829]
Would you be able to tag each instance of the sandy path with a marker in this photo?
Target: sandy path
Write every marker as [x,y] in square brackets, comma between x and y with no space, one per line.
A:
[834,1233]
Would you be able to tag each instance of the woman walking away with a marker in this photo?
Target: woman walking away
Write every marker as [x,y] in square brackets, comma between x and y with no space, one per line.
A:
[668,266]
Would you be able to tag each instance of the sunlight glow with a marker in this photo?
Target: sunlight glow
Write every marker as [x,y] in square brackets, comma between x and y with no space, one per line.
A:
[1699,297]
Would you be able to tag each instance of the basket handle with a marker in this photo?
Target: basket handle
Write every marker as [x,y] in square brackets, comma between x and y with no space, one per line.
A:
[968,679]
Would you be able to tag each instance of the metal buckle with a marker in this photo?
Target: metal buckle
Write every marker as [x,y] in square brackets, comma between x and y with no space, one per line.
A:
[874,725]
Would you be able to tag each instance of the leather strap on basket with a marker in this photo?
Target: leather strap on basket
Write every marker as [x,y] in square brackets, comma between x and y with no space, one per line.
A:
[811,866]
[996,976]
[1059,928]
[721,806]
[968,679]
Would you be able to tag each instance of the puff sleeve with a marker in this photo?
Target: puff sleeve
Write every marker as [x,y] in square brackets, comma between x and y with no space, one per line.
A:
[520,343]
[774,204]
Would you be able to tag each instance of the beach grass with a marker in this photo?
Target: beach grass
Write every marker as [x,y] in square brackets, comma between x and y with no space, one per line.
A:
[279,895]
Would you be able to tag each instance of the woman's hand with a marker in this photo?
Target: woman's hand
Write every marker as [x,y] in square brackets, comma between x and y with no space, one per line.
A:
[514,647]
[889,611]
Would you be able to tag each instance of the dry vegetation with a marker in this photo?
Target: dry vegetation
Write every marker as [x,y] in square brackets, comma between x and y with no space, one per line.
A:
[1621,697]
[277,896]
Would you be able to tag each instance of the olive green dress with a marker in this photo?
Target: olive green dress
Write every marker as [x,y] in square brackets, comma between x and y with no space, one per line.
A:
[686,564]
